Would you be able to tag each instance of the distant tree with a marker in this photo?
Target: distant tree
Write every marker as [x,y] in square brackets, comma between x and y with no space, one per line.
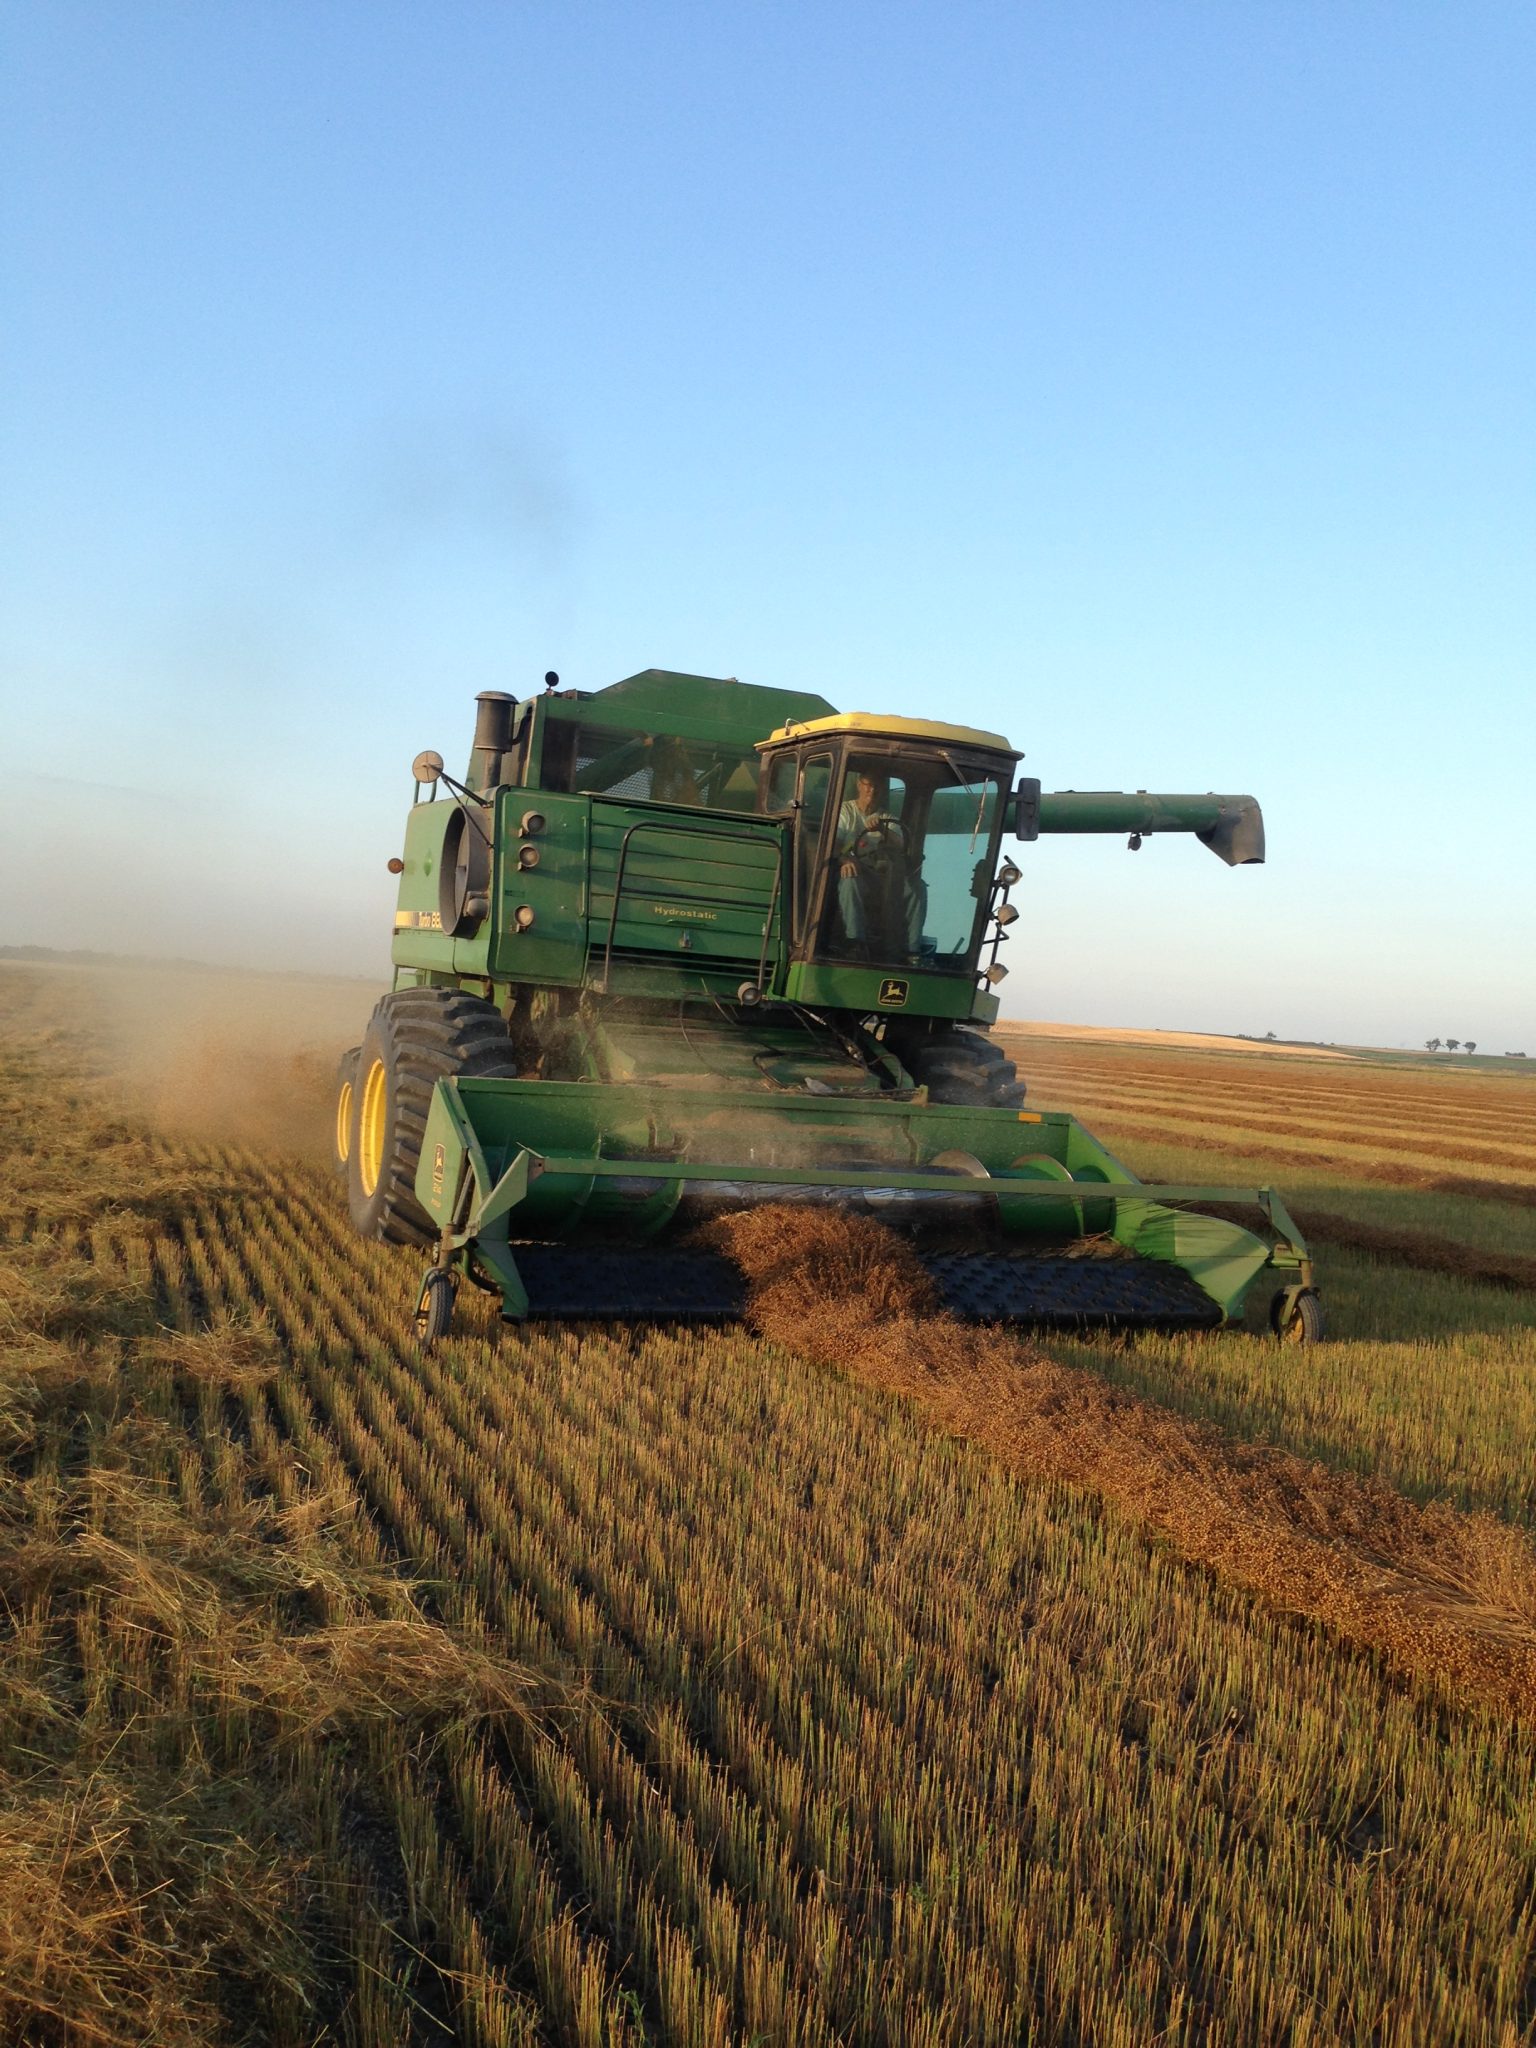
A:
[1451,1044]
[1269,1034]
[1431,1045]
[1469,1045]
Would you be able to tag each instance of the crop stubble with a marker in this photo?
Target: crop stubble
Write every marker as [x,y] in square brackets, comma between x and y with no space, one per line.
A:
[650,1685]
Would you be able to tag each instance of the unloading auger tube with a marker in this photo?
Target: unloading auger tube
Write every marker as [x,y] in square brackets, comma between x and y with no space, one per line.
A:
[684,944]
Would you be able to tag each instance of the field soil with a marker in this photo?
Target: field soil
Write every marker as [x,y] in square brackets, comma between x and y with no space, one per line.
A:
[845,1677]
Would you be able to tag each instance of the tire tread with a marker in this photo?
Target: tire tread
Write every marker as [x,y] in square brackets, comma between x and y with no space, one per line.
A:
[422,1034]
[962,1066]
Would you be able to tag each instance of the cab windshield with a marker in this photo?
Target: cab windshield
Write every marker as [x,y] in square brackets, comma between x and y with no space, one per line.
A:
[909,860]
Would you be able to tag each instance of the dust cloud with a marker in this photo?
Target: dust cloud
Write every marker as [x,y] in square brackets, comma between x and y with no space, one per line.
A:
[1448,1598]
[227,1055]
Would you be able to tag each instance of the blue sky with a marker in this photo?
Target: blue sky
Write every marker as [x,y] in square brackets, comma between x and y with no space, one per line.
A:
[1153,382]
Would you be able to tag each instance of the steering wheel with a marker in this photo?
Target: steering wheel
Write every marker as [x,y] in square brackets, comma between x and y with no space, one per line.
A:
[873,843]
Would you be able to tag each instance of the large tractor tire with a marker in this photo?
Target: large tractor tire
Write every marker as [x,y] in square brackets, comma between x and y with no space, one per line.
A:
[962,1066]
[414,1038]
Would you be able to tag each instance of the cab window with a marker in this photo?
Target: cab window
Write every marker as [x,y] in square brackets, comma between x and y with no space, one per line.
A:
[602,760]
[815,789]
[780,794]
[910,861]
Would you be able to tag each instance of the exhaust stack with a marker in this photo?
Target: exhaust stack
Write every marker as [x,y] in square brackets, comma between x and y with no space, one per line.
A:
[493,737]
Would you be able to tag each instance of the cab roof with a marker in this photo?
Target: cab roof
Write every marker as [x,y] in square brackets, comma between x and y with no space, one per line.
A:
[875,725]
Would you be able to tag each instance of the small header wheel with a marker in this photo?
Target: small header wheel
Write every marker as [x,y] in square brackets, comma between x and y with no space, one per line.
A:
[1297,1318]
[434,1308]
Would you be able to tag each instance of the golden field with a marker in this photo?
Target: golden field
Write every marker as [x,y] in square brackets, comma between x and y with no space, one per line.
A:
[823,1682]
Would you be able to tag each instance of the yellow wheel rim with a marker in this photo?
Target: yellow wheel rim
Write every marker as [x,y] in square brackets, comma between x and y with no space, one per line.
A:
[372,1126]
[344,1122]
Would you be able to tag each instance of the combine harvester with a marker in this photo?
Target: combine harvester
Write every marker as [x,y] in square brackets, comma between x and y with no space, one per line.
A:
[682,945]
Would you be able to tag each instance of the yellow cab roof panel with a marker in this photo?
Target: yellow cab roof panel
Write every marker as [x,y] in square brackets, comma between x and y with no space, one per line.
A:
[878,726]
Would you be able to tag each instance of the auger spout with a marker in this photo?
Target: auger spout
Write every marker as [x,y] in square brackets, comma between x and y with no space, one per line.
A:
[1231,826]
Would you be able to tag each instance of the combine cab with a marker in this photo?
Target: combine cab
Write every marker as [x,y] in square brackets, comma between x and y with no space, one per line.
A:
[682,945]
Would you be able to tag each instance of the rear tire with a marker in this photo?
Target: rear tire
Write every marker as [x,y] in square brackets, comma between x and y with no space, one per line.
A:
[346,1111]
[964,1067]
[414,1038]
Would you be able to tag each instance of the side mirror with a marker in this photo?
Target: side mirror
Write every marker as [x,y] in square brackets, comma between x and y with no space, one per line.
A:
[428,766]
[1023,819]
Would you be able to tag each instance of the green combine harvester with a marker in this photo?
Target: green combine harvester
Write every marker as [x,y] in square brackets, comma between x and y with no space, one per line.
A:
[682,945]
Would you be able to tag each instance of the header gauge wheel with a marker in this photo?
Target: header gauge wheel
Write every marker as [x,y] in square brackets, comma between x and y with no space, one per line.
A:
[434,1307]
[1302,1323]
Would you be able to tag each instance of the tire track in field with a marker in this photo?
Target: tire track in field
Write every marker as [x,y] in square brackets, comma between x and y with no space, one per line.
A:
[1448,1598]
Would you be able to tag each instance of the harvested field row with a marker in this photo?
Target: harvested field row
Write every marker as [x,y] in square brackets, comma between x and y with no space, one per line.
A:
[1087,1100]
[1183,1124]
[1377,1087]
[1235,1103]
[1365,1072]
[1414,1248]
[1511,1115]
[1148,1039]
[1384,1172]
[1287,1123]
[1501,1233]
[1428,1142]
[1436,1252]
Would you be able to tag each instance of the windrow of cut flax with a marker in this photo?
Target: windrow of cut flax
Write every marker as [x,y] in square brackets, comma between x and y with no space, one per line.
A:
[1447,1598]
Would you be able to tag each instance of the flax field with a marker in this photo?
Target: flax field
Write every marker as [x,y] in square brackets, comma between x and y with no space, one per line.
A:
[836,1678]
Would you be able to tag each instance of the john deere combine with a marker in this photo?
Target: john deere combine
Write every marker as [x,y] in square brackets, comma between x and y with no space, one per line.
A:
[681,945]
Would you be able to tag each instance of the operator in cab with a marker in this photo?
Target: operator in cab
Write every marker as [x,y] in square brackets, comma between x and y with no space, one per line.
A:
[880,905]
